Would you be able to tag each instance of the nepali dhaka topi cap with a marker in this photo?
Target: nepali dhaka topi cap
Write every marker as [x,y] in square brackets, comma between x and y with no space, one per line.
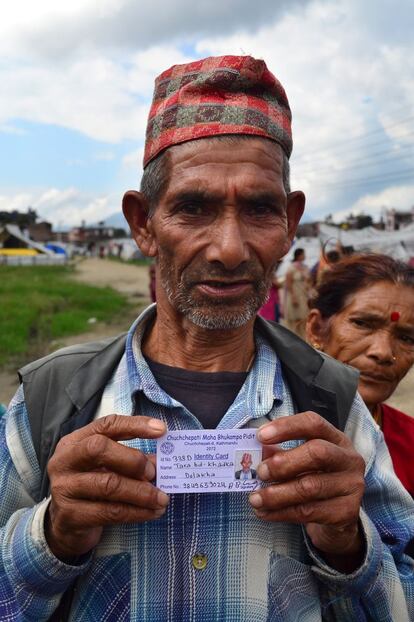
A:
[217,95]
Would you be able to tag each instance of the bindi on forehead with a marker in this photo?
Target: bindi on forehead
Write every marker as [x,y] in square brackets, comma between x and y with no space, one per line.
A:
[395,316]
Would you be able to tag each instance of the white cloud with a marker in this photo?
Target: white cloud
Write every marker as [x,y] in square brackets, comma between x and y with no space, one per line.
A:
[91,96]
[133,159]
[57,30]
[19,202]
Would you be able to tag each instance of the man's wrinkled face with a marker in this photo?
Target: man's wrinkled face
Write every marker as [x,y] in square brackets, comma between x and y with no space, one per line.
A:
[220,228]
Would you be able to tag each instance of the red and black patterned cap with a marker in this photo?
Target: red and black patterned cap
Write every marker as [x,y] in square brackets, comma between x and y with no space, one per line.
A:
[217,95]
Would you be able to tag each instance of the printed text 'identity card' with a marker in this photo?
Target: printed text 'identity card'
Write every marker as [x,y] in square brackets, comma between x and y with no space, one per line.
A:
[208,461]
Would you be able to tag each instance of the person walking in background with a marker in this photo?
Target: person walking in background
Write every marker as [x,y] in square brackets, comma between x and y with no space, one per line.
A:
[271,308]
[296,292]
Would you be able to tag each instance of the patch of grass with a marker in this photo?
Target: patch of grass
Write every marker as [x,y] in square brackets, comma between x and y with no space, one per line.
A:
[142,261]
[41,303]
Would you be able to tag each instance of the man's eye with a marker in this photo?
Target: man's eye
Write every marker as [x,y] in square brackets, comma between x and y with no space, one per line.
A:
[260,210]
[191,209]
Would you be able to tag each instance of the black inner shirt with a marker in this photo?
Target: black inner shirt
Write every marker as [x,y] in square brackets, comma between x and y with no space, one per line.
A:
[207,395]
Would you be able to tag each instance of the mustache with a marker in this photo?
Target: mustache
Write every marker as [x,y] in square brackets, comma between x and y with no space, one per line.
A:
[250,271]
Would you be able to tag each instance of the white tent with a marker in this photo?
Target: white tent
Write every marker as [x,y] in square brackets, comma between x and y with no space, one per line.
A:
[398,244]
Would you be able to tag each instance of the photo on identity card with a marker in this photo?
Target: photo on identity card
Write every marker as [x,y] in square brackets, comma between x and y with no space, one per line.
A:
[246,463]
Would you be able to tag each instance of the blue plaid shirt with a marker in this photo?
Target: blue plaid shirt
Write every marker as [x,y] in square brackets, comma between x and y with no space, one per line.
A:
[254,571]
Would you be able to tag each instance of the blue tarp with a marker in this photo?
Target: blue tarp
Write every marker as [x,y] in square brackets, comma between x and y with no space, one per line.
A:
[59,250]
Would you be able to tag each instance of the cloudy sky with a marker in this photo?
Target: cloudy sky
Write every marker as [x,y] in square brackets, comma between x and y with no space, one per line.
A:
[76,81]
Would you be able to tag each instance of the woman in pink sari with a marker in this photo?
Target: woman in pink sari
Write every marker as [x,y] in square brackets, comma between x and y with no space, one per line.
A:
[271,308]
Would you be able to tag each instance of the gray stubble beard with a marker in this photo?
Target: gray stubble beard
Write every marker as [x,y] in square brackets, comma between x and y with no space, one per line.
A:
[225,319]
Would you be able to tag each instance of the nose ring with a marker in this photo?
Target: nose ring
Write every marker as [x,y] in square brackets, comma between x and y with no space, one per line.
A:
[394,358]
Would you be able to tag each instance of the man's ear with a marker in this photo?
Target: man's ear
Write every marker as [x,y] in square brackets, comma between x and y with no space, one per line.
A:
[315,329]
[135,208]
[294,210]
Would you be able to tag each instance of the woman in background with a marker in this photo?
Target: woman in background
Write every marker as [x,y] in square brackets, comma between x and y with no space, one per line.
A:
[362,313]
[271,308]
[297,288]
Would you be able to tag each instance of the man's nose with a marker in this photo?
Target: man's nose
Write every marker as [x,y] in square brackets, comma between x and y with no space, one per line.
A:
[381,347]
[228,243]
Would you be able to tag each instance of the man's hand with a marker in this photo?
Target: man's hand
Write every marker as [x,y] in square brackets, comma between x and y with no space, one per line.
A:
[96,481]
[318,484]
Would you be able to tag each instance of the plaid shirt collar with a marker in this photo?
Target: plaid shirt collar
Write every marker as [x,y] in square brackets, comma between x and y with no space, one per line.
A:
[262,389]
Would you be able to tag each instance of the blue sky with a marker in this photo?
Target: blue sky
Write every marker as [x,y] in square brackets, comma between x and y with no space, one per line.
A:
[77,82]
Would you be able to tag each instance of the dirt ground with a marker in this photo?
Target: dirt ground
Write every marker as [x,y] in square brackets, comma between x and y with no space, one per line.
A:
[133,281]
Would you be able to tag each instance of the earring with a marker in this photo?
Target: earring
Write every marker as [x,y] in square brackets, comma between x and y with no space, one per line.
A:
[316,345]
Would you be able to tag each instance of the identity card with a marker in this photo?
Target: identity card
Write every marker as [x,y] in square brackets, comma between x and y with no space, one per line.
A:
[208,461]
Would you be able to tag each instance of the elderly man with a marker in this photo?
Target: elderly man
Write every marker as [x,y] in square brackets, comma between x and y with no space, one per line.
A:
[86,533]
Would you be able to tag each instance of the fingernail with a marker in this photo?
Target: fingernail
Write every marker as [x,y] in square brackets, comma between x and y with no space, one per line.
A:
[149,471]
[263,471]
[162,499]
[256,500]
[265,433]
[156,425]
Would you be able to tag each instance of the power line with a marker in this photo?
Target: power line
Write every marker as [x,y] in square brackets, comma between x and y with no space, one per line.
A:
[407,173]
[356,160]
[326,151]
[338,146]
[371,160]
